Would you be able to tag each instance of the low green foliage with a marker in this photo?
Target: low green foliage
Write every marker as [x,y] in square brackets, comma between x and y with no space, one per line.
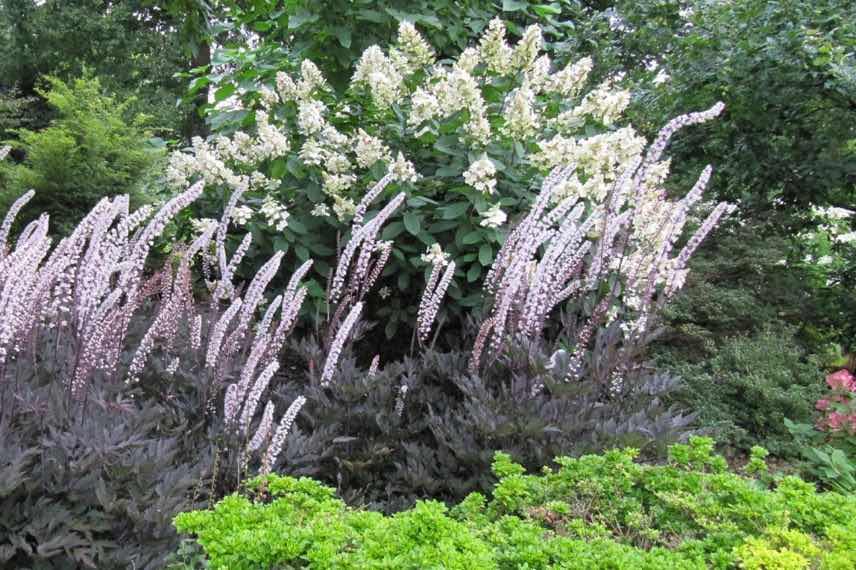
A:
[598,511]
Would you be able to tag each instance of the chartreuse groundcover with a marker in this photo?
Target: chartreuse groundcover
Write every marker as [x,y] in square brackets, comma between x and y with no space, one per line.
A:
[597,511]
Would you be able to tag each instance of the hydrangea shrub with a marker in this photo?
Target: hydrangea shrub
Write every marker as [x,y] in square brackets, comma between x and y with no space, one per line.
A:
[469,140]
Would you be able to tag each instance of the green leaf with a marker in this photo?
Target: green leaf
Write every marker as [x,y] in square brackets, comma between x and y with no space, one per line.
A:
[474,272]
[513,5]
[413,223]
[485,254]
[473,237]
[392,230]
[296,225]
[302,252]
[224,92]
[277,168]
[403,281]
[280,244]
[343,34]
[301,17]
[453,211]
[447,171]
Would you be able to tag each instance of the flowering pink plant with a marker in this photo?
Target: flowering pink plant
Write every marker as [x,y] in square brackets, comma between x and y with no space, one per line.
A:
[839,407]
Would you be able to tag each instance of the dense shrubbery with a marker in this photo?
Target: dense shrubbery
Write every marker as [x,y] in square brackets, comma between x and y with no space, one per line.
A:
[750,385]
[598,511]
[469,140]
[90,150]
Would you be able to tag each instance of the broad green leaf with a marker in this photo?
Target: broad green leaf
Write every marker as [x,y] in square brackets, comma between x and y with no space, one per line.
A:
[413,223]
[485,254]
[277,168]
[474,272]
[473,237]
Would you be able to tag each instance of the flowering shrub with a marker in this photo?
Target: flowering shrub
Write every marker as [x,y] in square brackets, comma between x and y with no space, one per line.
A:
[839,407]
[829,447]
[468,140]
[597,511]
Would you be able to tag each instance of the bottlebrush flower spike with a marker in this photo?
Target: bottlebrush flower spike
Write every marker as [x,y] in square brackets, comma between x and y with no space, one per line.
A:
[338,344]
[255,395]
[432,297]
[281,433]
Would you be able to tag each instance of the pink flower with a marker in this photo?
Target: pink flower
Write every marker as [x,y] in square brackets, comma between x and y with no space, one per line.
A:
[822,404]
[835,421]
[842,380]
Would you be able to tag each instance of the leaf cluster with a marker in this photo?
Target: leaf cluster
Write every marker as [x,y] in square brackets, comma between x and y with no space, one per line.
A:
[597,511]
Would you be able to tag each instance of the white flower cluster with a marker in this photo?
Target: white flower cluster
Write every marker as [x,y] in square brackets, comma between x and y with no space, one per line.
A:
[493,217]
[411,51]
[494,50]
[380,76]
[435,255]
[480,175]
[311,80]
[241,215]
[403,170]
[368,149]
[604,104]
[275,213]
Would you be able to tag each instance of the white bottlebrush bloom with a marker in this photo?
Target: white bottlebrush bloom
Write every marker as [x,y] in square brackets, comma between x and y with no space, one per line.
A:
[478,128]
[556,151]
[368,149]
[310,117]
[849,237]
[435,255]
[402,170]
[320,210]
[411,51]
[241,215]
[480,175]
[378,74]
[569,81]
[4,151]
[314,153]
[526,51]
[275,213]
[832,213]
[493,217]
[521,118]
[493,49]
[337,163]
